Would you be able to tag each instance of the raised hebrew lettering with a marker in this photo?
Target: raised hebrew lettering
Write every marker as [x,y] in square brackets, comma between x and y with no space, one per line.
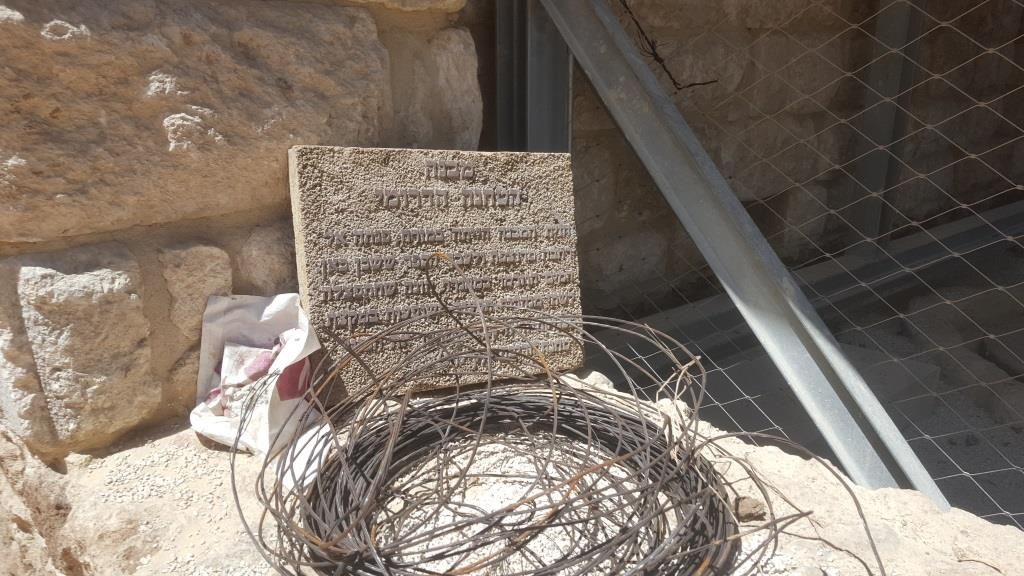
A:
[471,234]
[493,197]
[408,198]
[334,266]
[367,264]
[359,291]
[360,237]
[373,316]
[499,259]
[449,170]
[423,236]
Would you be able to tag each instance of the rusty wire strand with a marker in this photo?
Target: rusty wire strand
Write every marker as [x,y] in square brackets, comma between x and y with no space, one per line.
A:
[516,469]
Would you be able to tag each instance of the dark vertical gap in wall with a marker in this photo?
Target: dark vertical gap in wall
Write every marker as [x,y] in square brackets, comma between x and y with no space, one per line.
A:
[548,83]
[510,74]
[533,72]
[479,17]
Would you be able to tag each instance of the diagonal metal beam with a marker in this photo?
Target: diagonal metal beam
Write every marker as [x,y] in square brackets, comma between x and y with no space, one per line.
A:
[851,419]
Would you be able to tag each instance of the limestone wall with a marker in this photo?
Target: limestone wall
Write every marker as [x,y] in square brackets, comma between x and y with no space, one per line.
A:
[143,168]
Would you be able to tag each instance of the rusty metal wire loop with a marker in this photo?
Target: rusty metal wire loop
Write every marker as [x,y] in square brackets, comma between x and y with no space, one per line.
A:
[642,514]
[516,469]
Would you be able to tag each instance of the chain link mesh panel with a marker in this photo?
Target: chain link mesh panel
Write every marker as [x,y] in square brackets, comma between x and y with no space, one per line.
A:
[878,146]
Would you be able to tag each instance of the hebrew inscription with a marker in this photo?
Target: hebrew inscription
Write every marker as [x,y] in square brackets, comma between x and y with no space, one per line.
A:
[385,236]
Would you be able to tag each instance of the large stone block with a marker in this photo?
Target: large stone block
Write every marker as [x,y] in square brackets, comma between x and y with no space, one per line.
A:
[796,73]
[804,212]
[120,114]
[719,62]
[83,318]
[589,113]
[180,393]
[454,54]
[22,403]
[32,505]
[695,14]
[787,14]
[193,274]
[417,5]
[763,159]
[594,165]
[716,15]
[632,248]
[437,96]
[266,260]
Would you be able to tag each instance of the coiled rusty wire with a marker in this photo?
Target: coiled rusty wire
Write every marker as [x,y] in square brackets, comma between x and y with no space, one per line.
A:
[526,471]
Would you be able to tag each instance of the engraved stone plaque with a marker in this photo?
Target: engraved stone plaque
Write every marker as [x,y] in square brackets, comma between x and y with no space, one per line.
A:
[386,236]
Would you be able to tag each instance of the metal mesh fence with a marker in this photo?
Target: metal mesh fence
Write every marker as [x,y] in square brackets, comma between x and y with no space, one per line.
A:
[878,146]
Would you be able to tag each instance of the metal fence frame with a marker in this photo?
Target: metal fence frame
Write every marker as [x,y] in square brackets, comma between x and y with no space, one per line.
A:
[849,416]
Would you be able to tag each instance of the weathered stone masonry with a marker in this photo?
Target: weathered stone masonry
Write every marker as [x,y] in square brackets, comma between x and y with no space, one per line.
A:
[143,167]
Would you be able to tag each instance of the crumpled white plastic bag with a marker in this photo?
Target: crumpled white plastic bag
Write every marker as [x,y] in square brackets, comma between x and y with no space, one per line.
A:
[244,339]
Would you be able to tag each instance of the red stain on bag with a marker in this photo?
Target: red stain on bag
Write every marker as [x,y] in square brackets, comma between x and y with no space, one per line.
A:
[292,382]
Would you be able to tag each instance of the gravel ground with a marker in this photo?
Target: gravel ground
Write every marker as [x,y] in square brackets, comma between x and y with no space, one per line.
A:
[161,504]
[166,508]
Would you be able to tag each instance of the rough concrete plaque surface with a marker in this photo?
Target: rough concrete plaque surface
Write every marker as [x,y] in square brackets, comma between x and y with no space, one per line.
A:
[384,236]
